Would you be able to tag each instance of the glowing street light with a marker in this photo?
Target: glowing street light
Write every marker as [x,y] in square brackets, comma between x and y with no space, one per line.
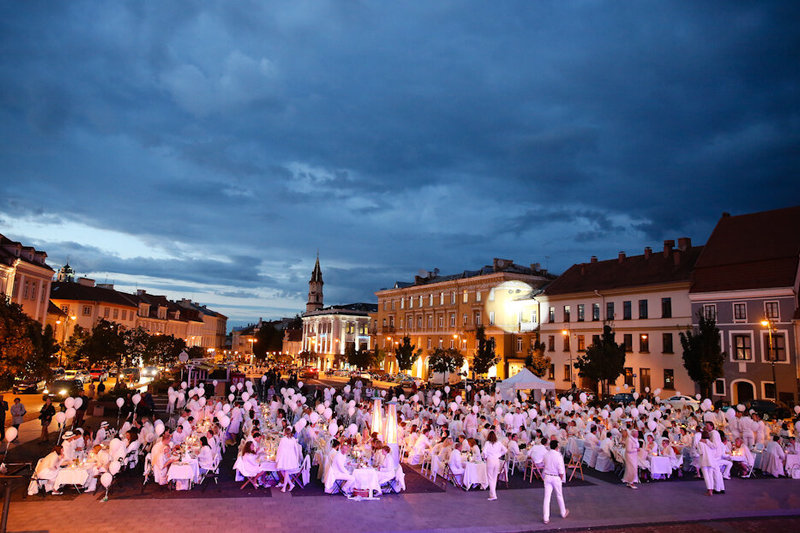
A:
[771,355]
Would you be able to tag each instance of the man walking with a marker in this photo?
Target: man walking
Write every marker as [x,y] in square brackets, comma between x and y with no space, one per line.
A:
[554,474]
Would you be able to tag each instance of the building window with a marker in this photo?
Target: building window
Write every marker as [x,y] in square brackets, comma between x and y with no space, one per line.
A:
[778,350]
[644,343]
[666,307]
[628,342]
[581,308]
[710,311]
[491,294]
[466,319]
[383,323]
[644,378]
[740,312]
[65,309]
[452,320]
[719,387]
[452,343]
[566,313]
[116,313]
[769,390]
[669,379]
[595,312]
[87,310]
[551,343]
[491,318]
[552,314]
[429,343]
[642,308]
[384,305]
[391,321]
[419,322]
[566,373]
[411,302]
[609,310]
[666,339]
[772,311]
[566,342]
[478,318]
[581,343]
[465,296]
[394,305]
[125,314]
[402,303]
[26,289]
[441,343]
[420,300]
[477,296]
[551,374]
[106,312]
[441,298]
[430,300]
[742,348]
[519,344]
[430,321]
[441,322]
[453,297]
[629,376]
[626,310]
[534,317]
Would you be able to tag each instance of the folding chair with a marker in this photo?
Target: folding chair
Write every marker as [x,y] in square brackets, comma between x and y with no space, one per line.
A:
[535,469]
[213,471]
[426,464]
[148,468]
[574,465]
[302,474]
[503,474]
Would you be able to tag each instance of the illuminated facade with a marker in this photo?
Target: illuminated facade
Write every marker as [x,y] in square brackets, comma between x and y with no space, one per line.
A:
[25,277]
[444,311]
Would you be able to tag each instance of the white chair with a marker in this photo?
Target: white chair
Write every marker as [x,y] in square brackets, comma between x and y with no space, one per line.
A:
[302,475]
[211,471]
[590,456]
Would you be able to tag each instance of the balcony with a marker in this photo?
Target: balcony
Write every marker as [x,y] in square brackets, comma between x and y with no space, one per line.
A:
[387,329]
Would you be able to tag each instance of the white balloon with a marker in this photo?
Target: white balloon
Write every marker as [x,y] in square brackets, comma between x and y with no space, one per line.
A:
[402,397]
[61,417]
[447,390]
[383,393]
[184,384]
[634,412]
[231,397]
[797,409]
[347,389]
[475,409]
[436,401]
[321,408]
[215,382]
[120,401]
[453,406]
[314,418]
[226,408]
[239,386]
[697,396]
[245,396]
[351,411]
[233,388]
[69,402]
[113,468]
[458,399]
[263,379]
[583,397]
[298,427]
[647,389]
[11,434]
[333,428]
[106,479]
[70,412]
[201,391]
[352,429]
[635,395]
[78,402]
[328,413]
[652,425]
[740,407]
[202,402]
[299,384]
[136,399]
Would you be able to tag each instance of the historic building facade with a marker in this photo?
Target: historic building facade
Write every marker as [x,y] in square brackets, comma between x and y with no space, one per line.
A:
[438,311]
[747,279]
[25,277]
[644,298]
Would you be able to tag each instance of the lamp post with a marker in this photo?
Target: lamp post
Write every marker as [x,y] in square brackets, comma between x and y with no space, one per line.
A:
[64,334]
[767,323]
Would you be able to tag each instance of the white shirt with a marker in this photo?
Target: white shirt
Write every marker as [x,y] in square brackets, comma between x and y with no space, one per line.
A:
[554,464]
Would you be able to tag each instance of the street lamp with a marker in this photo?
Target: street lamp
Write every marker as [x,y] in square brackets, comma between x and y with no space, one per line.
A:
[767,323]
[565,334]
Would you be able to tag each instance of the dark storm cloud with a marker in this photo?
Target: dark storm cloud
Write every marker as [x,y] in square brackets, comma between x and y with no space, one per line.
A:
[394,136]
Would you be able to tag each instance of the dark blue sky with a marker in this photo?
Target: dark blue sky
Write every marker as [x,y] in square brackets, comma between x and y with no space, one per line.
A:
[208,149]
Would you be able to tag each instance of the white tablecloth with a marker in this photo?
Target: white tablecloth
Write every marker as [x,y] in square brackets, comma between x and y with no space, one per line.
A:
[73,475]
[366,479]
[792,461]
[660,466]
[182,471]
[475,474]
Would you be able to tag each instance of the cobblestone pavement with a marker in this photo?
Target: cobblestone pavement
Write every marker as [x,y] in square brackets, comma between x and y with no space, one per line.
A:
[596,506]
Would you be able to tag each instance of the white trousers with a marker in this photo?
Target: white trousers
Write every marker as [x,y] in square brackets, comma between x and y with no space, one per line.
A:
[713,478]
[726,468]
[552,483]
[492,471]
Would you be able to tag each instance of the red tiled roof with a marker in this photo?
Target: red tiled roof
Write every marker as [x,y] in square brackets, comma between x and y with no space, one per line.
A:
[758,250]
[633,271]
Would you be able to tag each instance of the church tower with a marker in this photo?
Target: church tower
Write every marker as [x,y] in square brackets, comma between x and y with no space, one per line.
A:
[315,289]
[66,273]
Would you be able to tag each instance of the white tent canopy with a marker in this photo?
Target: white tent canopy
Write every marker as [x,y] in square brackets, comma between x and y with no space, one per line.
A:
[524,380]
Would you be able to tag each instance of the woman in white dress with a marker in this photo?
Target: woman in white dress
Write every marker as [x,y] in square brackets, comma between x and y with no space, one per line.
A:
[774,458]
[288,458]
[493,451]
[247,464]
[631,457]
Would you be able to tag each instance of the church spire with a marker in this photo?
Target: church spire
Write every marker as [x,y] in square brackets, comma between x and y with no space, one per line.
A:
[315,288]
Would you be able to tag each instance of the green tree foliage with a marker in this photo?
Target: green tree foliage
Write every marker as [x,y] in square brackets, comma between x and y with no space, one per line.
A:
[361,358]
[536,361]
[136,341]
[105,346]
[406,354]
[702,354]
[268,339]
[307,357]
[73,344]
[41,358]
[15,342]
[485,357]
[603,361]
[445,361]
[197,352]
[163,349]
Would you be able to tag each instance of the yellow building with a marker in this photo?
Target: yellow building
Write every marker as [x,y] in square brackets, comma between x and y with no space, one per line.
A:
[25,277]
[444,311]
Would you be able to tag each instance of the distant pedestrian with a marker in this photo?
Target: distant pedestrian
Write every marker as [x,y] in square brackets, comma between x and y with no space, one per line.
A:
[46,417]
[18,413]
[101,388]
[3,411]
[91,389]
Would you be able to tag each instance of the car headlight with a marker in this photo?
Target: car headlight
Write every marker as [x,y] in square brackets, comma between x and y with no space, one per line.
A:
[63,392]
[46,391]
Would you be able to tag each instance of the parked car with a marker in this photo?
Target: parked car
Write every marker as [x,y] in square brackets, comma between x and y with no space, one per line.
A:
[623,397]
[149,372]
[309,372]
[28,385]
[682,401]
[98,374]
[722,405]
[131,375]
[84,376]
[768,409]
[72,373]
[60,389]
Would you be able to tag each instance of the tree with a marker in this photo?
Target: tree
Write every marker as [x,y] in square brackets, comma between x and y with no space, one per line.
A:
[44,346]
[536,361]
[406,354]
[196,352]
[445,361]
[702,354]
[378,356]
[307,357]
[485,357]
[603,361]
[73,345]
[105,345]
[15,341]
[163,349]
[268,339]
[361,358]
[136,342]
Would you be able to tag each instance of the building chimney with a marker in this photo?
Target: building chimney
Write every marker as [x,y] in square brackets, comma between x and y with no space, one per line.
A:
[647,252]
[684,244]
[593,259]
[668,246]
[676,255]
[621,257]
[86,282]
[109,286]
[141,292]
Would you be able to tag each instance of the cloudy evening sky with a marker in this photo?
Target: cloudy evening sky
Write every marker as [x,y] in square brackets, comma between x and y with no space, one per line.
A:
[208,149]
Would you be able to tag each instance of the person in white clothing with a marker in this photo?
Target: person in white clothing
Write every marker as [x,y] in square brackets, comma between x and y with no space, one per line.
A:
[101,434]
[493,451]
[388,469]
[554,475]
[288,458]
[709,466]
